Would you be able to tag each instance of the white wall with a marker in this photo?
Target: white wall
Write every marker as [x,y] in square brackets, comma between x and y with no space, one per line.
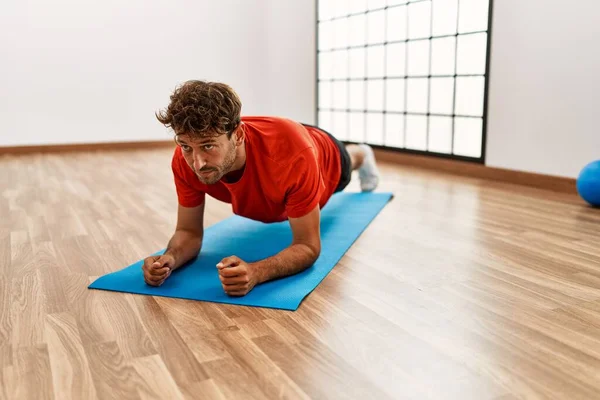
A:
[81,71]
[74,71]
[544,93]
[292,56]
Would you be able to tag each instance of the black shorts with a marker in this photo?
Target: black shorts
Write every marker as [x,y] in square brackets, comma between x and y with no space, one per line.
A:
[346,162]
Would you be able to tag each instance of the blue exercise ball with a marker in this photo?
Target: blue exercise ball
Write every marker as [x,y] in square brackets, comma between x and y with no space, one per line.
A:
[588,183]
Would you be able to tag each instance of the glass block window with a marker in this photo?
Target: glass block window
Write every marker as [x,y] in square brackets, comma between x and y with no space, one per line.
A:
[408,75]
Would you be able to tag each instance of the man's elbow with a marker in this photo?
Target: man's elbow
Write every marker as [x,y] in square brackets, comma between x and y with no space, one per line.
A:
[314,251]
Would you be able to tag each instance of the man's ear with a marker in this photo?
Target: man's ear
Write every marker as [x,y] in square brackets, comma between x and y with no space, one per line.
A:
[239,134]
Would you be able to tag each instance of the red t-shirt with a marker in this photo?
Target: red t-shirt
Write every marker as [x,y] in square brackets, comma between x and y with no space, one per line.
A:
[290,168]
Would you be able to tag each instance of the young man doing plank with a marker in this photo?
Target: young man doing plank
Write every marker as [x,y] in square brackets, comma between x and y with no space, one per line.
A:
[269,169]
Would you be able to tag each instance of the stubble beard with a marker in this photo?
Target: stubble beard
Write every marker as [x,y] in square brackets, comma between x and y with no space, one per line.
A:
[218,173]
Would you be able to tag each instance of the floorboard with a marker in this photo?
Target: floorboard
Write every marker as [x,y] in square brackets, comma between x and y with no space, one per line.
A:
[461,288]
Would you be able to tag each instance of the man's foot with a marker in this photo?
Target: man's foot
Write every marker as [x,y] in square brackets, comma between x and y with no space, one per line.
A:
[368,171]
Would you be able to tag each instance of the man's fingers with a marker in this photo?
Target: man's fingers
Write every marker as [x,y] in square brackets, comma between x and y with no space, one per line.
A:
[234,280]
[232,271]
[237,293]
[147,264]
[156,262]
[161,261]
[155,266]
[153,278]
[152,281]
[228,262]
[234,286]
[236,290]
[159,271]
[161,276]
[156,272]
[156,275]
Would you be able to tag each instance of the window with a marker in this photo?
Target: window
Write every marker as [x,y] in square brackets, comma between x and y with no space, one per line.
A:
[406,75]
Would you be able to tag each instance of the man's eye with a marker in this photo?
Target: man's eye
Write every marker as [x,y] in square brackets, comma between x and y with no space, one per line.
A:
[208,147]
[185,147]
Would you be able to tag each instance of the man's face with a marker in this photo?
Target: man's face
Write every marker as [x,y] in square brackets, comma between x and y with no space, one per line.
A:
[210,158]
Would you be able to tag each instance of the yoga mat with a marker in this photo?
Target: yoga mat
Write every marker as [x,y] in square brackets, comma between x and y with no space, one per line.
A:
[343,219]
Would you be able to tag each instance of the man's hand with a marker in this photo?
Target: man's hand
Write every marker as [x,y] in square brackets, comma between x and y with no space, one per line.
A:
[157,269]
[184,245]
[237,277]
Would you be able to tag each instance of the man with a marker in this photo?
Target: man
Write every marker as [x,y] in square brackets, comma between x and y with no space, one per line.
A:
[269,169]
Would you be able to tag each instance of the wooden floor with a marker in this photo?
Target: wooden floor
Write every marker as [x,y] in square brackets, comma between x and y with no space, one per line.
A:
[459,289]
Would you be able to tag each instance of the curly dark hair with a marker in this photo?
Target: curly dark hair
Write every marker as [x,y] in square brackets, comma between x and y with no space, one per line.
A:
[202,109]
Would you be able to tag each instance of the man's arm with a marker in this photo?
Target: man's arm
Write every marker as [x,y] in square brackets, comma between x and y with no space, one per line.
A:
[184,245]
[301,254]
[238,277]
[304,187]
[186,242]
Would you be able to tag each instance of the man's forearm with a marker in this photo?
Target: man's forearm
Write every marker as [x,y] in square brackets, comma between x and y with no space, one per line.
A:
[292,260]
[183,246]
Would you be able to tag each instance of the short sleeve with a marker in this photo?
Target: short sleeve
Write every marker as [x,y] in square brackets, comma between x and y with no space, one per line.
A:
[187,195]
[304,184]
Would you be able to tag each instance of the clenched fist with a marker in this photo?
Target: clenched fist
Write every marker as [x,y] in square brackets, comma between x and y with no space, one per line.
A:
[237,276]
[157,269]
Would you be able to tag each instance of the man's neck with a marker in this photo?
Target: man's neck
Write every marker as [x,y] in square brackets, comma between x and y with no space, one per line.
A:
[238,166]
[240,158]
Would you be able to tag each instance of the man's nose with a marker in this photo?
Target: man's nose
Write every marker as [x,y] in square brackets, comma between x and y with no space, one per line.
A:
[199,163]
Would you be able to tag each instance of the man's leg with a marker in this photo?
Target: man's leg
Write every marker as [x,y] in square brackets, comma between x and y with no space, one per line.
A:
[357,155]
[363,160]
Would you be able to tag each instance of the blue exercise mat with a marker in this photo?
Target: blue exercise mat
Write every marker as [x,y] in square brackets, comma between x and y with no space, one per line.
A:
[343,219]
